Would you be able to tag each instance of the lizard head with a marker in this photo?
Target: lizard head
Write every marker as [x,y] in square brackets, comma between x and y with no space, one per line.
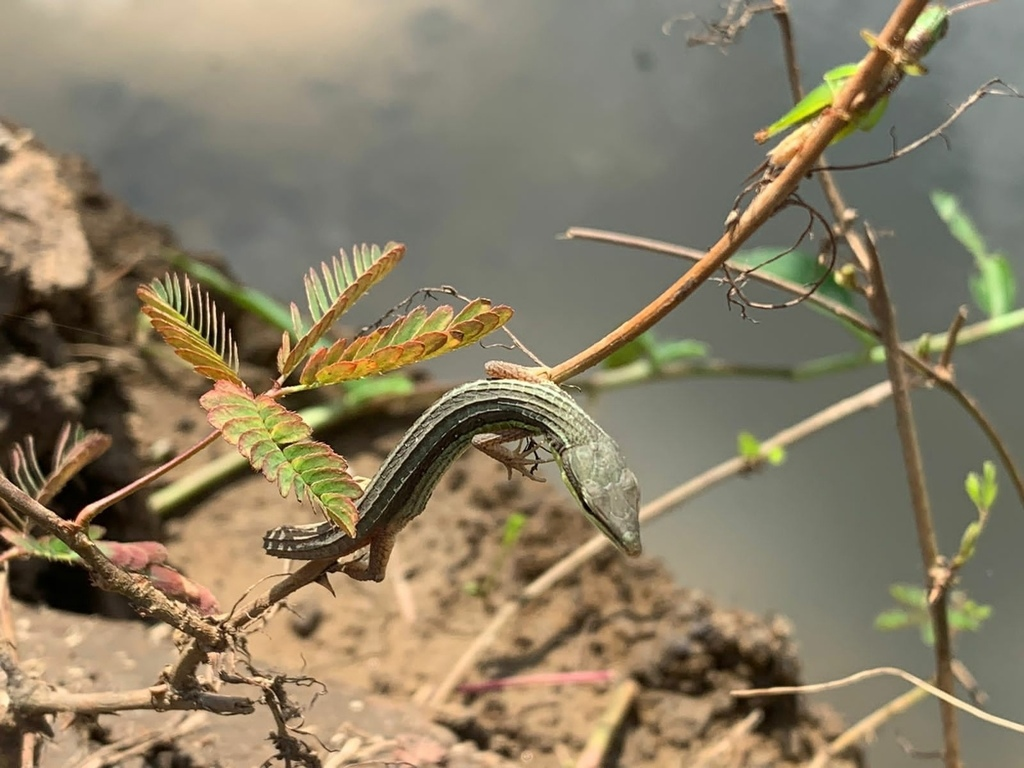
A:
[606,489]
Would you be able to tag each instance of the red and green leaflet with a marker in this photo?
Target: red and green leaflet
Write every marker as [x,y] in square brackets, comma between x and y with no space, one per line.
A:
[276,443]
[344,281]
[412,338]
[190,323]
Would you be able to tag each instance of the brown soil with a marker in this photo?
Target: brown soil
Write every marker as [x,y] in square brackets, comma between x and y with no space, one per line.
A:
[71,257]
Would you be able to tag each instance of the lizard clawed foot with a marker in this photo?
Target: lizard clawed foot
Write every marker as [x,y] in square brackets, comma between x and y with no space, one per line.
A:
[524,458]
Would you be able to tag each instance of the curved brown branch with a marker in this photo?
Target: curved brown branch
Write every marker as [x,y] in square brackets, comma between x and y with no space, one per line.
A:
[857,95]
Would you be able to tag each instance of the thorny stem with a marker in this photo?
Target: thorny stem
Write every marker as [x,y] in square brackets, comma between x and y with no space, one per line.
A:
[856,96]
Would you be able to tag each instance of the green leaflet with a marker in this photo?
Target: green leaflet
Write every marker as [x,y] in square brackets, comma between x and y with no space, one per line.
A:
[191,324]
[330,294]
[276,442]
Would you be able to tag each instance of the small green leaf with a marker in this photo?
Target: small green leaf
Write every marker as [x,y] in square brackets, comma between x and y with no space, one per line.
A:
[909,595]
[982,489]
[749,446]
[990,489]
[969,541]
[959,223]
[978,613]
[994,288]
[973,487]
[513,529]
[892,619]
[927,634]
[775,455]
[639,348]
[963,622]
[682,349]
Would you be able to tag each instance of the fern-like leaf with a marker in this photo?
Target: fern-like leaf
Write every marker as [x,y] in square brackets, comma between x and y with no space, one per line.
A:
[412,338]
[275,442]
[189,321]
[344,280]
[50,547]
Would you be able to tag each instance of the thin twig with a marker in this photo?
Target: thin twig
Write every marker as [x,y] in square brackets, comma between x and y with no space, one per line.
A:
[35,698]
[603,735]
[691,254]
[708,756]
[140,743]
[881,306]
[868,674]
[89,512]
[984,90]
[946,358]
[868,398]
[867,726]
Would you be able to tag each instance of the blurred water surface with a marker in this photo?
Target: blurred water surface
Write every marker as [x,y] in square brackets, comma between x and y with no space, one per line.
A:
[475,131]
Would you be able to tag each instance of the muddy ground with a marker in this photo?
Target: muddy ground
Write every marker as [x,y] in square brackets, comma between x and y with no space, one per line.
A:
[70,259]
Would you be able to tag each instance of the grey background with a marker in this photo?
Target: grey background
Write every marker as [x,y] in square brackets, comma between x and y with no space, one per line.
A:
[475,131]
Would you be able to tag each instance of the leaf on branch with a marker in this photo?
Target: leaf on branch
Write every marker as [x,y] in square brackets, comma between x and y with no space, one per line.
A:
[329,296]
[412,338]
[275,442]
[647,346]
[135,556]
[189,321]
[994,287]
